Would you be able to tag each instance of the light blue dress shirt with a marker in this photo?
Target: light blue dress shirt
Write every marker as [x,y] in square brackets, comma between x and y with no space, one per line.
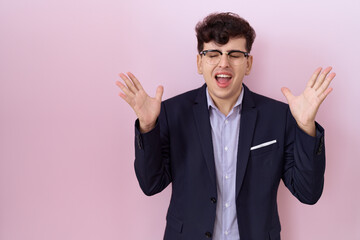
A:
[225,137]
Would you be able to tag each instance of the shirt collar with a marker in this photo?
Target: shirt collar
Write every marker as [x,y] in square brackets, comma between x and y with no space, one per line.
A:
[211,103]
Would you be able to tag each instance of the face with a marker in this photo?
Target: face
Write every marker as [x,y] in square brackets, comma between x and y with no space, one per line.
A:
[223,80]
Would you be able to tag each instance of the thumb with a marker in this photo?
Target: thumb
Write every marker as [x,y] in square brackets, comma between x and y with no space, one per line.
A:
[159,92]
[287,93]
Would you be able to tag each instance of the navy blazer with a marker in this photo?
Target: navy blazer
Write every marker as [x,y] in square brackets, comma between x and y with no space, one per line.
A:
[179,150]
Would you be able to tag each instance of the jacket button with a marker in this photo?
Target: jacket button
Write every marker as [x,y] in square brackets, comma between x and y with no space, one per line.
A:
[208,234]
[213,200]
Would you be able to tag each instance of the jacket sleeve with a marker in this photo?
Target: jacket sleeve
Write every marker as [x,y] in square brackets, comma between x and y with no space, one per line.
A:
[304,166]
[152,156]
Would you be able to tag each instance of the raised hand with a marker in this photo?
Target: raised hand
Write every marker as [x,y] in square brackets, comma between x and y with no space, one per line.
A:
[305,106]
[146,108]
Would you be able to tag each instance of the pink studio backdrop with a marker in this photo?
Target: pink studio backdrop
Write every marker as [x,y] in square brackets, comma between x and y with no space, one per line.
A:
[66,137]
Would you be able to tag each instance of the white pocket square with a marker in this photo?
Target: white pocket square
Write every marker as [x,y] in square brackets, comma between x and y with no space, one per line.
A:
[263,145]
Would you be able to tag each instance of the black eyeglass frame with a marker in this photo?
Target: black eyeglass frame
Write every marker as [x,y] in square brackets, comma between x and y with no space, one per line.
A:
[204,52]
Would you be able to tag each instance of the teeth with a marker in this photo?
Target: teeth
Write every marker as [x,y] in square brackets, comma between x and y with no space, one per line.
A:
[223,76]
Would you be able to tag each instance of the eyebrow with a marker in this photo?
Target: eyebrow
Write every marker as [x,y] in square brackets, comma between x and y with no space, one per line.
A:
[227,50]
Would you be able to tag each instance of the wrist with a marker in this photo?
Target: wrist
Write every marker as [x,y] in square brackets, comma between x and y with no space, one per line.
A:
[144,128]
[309,129]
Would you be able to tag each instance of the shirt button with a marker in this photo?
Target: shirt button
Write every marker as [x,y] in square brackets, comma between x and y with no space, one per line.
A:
[227,176]
[227,205]
[226,232]
[226,121]
[226,148]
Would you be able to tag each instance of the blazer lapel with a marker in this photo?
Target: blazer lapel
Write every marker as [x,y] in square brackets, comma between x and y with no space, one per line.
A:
[247,126]
[202,120]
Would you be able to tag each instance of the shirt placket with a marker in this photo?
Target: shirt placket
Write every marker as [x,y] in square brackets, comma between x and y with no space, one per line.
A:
[225,178]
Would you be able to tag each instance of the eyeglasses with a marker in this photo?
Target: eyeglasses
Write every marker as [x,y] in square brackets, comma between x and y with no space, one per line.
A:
[235,57]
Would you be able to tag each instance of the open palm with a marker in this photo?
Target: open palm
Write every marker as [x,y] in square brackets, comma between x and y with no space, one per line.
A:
[146,108]
[305,106]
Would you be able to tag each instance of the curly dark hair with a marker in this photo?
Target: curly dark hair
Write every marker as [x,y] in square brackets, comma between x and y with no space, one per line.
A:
[220,27]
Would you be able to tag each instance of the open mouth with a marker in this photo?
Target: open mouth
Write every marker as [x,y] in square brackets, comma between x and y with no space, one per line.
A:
[223,80]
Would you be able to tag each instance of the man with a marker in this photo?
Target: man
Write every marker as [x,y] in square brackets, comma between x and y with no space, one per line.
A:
[225,148]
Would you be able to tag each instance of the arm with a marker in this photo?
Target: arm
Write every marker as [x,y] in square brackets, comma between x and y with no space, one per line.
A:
[304,162]
[151,149]
[152,157]
[304,156]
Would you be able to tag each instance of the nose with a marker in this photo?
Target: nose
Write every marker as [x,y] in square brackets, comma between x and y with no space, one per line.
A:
[224,61]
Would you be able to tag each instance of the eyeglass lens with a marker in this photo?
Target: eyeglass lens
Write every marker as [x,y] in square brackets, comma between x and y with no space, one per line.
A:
[234,58]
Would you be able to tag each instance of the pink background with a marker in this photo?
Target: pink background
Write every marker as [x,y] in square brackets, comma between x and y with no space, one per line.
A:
[66,137]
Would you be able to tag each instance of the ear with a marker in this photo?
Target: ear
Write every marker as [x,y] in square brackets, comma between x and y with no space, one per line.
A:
[199,64]
[249,65]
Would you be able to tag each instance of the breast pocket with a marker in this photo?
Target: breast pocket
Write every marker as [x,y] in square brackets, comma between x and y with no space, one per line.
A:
[264,148]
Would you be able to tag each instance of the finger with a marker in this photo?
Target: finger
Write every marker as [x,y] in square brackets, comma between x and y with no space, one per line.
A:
[326,83]
[127,92]
[325,94]
[287,93]
[128,83]
[135,81]
[321,78]
[313,78]
[159,92]
[123,96]
[118,84]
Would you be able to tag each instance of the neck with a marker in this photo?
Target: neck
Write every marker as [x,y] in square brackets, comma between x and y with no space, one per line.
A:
[225,105]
